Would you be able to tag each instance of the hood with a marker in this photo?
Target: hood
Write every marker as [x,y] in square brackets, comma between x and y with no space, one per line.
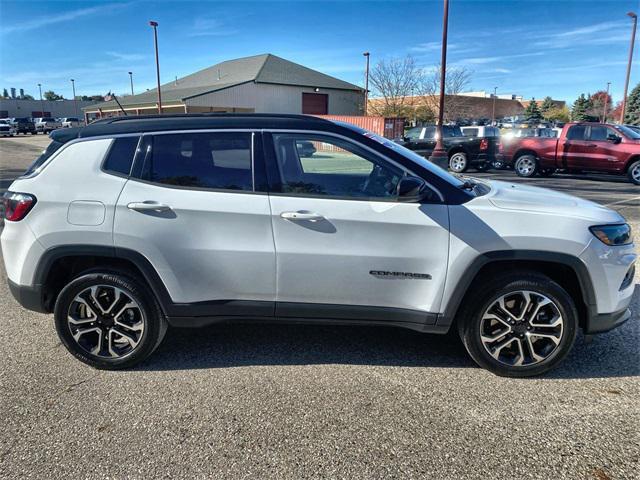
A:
[511,196]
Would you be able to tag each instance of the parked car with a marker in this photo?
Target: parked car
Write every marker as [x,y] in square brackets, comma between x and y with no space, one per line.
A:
[463,151]
[482,131]
[47,125]
[6,129]
[581,147]
[635,128]
[530,132]
[25,125]
[130,224]
[306,149]
[70,122]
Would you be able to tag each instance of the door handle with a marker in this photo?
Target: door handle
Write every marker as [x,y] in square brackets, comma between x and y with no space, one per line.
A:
[310,216]
[148,205]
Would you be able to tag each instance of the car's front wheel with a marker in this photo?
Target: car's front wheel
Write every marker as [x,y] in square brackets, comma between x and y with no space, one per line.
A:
[526,166]
[518,325]
[634,172]
[109,320]
[458,162]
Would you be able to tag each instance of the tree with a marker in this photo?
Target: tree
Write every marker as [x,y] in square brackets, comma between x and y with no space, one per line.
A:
[456,106]
[5,93]
[598,101]
[632,114]
[394,82]
[547,105]
[51,96]
[616,112]
[26,96]
[532,112]
[558,114]
[579,109]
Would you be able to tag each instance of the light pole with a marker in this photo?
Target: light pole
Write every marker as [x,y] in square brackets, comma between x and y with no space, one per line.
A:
[606,101]
[634,17]
[75,102]
[366,84]
[131,81]
[155,41]
[493,112]
[41,101]
[439,154]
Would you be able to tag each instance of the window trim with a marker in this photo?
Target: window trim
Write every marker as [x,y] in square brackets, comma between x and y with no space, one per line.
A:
[106,156]
[137,167]
[275,185]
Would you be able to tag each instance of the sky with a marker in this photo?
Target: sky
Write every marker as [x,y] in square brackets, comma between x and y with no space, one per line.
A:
[531,48]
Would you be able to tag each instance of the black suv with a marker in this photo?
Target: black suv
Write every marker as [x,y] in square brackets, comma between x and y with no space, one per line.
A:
[463,151]
[24,125]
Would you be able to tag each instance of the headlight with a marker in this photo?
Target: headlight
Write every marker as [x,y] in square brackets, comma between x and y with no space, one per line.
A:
[613,234]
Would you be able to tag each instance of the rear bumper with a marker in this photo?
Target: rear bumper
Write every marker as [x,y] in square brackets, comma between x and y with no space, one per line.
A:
[606,321]
[29,297]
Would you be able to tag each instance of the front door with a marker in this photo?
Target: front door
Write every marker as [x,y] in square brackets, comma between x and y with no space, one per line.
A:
[344,244]
[604,150]
[196,214]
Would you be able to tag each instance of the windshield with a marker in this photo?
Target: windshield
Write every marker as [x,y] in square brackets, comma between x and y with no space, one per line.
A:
[628,131]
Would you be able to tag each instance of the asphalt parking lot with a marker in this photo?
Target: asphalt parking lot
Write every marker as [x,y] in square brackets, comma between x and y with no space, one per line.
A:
[252,401]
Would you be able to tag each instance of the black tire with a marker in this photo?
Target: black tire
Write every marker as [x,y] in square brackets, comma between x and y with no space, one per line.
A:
[479,301]
[155,323]
[546,172]
[498,164]
[483,167]
[633,173]
[526,166]
[458,162]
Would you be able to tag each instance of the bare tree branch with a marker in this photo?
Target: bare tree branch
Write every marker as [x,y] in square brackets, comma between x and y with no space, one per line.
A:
[394,82]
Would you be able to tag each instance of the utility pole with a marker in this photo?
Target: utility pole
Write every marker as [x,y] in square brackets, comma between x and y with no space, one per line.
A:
[131,81]
[493,112]
[439,154]
[366,84]
[41,101]
[75,101]
[634,17]
[606,101]
[155,41]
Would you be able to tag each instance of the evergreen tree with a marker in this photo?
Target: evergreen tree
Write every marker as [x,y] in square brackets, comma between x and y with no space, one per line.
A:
[632,113]
[532,112]
[547,104]
[5,94]
[579,110]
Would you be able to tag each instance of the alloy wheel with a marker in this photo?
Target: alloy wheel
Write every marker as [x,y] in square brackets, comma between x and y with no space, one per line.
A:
[106,321]
[635,173]
[526,166]
[521,328]
[458,162]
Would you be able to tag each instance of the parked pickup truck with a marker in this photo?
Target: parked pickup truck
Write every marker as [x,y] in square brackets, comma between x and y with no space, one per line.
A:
[463,151]
[47,125]
[581,147]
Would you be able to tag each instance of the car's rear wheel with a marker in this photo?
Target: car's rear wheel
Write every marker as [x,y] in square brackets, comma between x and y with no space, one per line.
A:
[108,320]
[634,172]
[526,166]
[518,325]
[458,162]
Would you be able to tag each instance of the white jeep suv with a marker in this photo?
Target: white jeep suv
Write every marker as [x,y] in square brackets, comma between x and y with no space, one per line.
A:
[134,223]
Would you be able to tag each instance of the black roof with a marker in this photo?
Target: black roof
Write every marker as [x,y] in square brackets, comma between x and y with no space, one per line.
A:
[195,121]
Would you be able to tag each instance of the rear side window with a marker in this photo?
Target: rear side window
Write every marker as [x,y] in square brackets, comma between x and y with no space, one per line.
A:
[121,155]
[50,150]
[201,160]
[577,132]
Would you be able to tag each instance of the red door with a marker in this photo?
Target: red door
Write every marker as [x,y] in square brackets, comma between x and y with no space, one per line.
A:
[315,103]
[605,150]
[576,150]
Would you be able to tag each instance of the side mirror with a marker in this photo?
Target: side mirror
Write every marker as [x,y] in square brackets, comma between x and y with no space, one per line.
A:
[613,138]
[411,189]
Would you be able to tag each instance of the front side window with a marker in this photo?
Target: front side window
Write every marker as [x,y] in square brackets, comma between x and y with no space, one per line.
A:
[201,160]
[601,133]
[337,168]
[577,132]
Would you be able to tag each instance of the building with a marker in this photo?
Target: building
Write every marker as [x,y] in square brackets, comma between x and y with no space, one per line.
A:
[261,84]
[15,107]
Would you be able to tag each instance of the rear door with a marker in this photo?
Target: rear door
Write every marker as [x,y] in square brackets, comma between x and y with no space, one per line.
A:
[576,150]
[346,248]
[195,208]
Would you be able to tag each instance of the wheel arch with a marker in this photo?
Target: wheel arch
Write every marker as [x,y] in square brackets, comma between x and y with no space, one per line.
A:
[634,158]
[566,270]
[457,149]
[59,265]
[523,151]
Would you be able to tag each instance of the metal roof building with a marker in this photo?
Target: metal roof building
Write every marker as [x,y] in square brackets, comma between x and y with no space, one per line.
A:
[260,84]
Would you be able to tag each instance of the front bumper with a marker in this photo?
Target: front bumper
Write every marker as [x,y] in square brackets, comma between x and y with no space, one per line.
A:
[606,321]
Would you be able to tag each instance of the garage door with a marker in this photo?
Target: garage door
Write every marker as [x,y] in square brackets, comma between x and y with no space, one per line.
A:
[315,103]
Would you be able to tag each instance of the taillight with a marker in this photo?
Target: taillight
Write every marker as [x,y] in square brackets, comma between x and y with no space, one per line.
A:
[17,205]
[484,144]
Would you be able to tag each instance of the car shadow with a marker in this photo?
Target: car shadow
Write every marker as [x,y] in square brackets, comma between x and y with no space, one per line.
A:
[613,354]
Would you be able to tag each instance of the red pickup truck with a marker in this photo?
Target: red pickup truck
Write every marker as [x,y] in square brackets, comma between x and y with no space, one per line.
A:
[581,147]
